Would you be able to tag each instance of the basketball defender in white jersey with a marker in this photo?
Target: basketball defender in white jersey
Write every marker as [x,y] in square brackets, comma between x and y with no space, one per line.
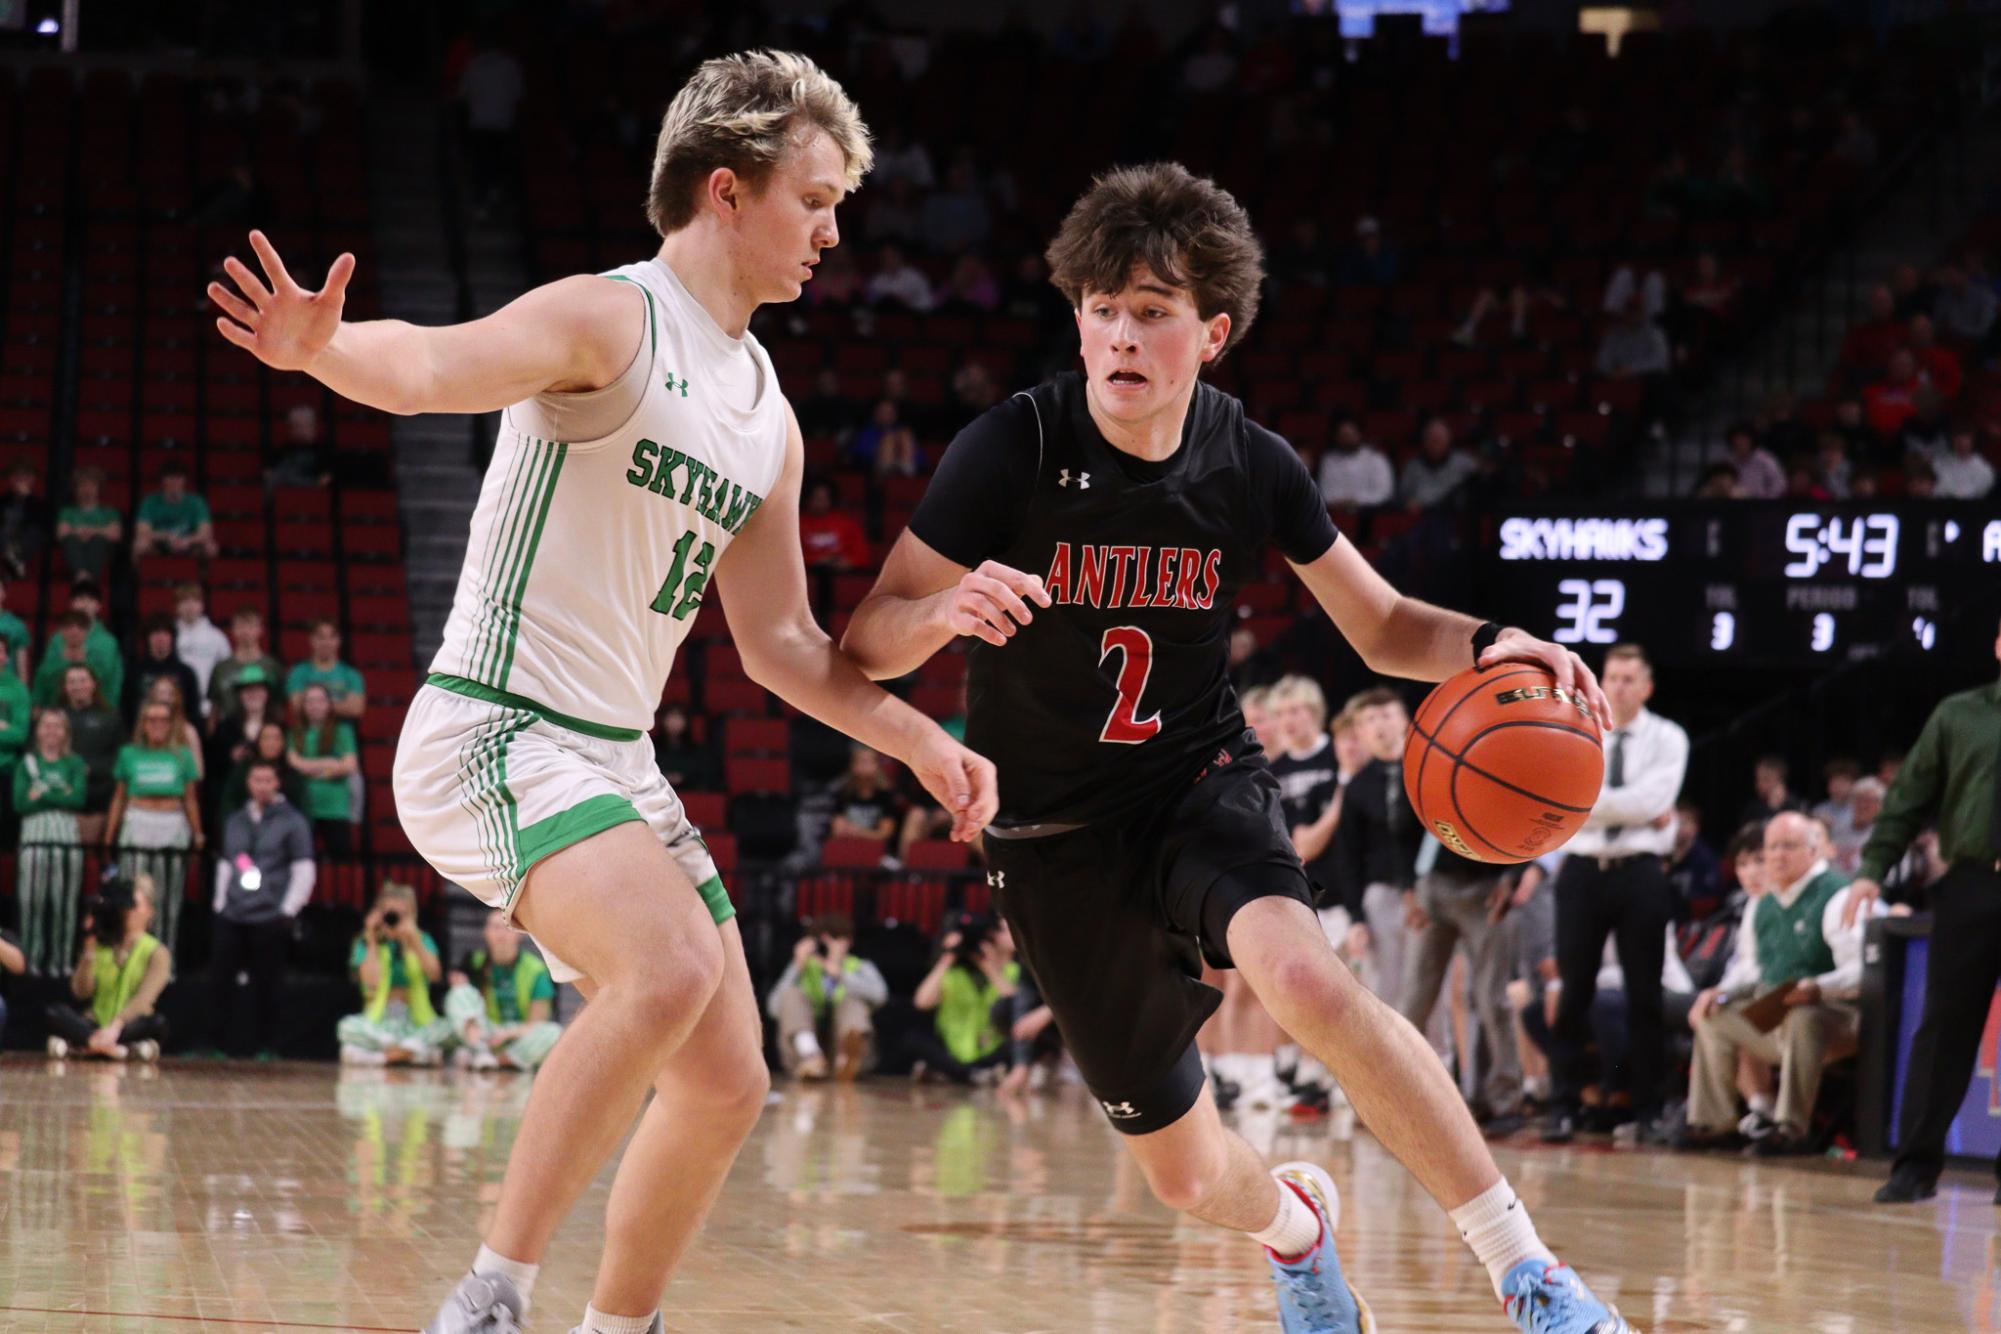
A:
[645,454]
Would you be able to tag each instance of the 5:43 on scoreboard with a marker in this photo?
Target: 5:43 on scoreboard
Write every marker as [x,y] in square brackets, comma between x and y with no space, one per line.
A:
[1751,581]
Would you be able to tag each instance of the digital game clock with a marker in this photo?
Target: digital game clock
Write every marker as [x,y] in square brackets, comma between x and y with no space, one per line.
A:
[1752,582]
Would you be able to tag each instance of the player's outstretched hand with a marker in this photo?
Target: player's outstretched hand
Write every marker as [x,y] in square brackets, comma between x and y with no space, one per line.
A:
[283,325]
[960,781]
[993,602]
[1570,670]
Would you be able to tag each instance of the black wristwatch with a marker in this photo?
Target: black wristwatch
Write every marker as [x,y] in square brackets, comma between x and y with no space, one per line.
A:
[1483,639]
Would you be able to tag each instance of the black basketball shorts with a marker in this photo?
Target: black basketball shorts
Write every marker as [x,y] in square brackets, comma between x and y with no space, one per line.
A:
[1115,920]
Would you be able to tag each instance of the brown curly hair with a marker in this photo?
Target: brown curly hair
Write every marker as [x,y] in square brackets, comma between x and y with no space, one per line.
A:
[1189,230]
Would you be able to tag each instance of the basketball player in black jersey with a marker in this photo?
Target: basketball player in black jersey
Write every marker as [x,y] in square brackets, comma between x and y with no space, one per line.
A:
[1090,535]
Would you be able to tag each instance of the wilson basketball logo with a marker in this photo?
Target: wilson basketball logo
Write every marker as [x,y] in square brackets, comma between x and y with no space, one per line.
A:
[1450,838]
[1571,698]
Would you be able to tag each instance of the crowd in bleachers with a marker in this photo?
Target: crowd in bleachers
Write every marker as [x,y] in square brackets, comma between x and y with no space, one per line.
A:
[1912,408]
[1501,301]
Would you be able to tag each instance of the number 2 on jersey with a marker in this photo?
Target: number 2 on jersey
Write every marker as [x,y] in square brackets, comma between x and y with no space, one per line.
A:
[1135,647]
[688,589]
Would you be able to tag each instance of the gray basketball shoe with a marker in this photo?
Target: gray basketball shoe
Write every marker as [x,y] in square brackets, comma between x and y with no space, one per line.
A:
[480,1304]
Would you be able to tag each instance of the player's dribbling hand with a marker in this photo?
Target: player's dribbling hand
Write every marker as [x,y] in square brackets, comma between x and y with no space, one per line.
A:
[1570,670]
[993,601]
[960,781]
[282,325]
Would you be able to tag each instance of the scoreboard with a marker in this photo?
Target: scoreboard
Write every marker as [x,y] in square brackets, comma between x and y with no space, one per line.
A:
[1765,583]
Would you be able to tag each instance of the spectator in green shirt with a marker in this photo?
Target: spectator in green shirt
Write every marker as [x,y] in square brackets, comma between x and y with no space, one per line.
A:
[156,810]
[323,749]
[15,726]
[78,642]
[246,635]
[344,684]
[174,521]
[88,531]
[96,734]
[13,636]
[50,785]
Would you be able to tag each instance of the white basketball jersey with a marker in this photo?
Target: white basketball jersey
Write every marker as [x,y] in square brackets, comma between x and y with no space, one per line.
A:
[589,558]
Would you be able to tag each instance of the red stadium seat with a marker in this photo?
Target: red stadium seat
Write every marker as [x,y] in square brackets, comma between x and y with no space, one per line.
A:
[938,854]
[706,811]
[751,775]
[756,736]
[851,853]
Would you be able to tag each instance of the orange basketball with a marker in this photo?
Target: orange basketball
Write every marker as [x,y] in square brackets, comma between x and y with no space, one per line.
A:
[1502,764]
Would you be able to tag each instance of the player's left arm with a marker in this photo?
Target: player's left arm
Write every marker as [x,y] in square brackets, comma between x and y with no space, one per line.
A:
[762,581]
[1403,636]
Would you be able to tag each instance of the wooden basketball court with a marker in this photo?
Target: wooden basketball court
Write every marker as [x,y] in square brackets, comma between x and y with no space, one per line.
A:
[300,1197]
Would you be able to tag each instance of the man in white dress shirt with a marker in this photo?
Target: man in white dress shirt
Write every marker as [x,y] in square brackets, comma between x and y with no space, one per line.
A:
[1793,940]
[1614,883]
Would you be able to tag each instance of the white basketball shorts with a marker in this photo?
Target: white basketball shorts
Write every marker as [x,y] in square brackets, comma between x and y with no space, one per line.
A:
[488,784]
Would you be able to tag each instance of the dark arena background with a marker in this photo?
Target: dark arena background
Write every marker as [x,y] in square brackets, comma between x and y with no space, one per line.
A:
[1670,324]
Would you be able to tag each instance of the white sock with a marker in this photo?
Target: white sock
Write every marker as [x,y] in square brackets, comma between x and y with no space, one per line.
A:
[597,1322]
[1294,1230]
[522,1276]
[1496,1225]
[806,1043]
[1262,1068]
[1762,1105]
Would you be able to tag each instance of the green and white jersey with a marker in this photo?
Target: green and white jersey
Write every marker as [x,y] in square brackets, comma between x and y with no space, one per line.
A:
[588,557]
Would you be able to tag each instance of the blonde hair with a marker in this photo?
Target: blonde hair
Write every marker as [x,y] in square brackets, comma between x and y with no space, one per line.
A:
[1305,688]
[739,112]
[1344,721]
[1257,697]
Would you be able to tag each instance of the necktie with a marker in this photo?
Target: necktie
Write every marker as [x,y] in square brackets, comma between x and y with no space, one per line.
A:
[1615,774]
[1392,795]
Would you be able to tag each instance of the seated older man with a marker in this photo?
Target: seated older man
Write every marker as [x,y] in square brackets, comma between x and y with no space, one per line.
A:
[1787,998]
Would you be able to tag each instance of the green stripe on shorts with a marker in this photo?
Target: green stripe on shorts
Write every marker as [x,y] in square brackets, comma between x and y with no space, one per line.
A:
[568,828]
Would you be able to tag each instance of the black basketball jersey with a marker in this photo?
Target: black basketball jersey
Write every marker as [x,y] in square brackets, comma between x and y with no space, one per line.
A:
[1306,783]
[1117,695]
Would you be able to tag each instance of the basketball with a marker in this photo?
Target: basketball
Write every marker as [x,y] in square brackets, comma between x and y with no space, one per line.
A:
[1503,764]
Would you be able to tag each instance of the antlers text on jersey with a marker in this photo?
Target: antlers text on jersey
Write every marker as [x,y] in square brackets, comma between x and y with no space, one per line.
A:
[1180,578]
[713,496]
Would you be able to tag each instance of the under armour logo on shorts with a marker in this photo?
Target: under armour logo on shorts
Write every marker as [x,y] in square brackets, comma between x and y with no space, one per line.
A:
[997,879]
[1120,1111]
[1083,480]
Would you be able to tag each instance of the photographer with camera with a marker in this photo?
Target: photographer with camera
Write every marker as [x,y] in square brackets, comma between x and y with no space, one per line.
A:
[826,997]
[975,969]
[120,972]
[394,962]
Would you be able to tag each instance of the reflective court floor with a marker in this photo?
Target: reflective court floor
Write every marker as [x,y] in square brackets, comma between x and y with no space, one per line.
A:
[301,1197]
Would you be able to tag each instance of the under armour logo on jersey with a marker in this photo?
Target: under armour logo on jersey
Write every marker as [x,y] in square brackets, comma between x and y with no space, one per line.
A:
[1120,1111]
[672,385]
[996,879]
[1082,479]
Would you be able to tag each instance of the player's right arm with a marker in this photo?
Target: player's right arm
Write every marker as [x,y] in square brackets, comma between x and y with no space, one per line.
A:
[923,601]
[569,336]
[937,583]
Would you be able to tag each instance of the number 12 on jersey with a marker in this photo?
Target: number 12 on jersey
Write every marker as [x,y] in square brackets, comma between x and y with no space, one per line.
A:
[1135,649]
[683,583]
